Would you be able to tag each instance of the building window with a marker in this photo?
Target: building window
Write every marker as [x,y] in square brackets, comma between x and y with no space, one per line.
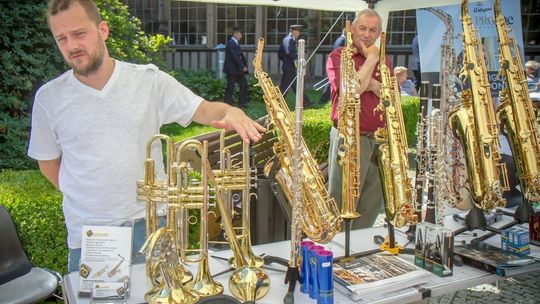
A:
[188,23]
[278,21]
[147,12]
[530,16]
[401,27]
[327,19]
[229,16]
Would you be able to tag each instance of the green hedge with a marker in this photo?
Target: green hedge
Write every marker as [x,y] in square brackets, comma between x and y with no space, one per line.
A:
[410,107]
[35,207]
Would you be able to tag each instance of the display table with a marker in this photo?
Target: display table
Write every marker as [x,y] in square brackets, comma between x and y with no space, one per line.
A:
[361,240]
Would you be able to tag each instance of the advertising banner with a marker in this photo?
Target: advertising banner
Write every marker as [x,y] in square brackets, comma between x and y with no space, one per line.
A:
[435,22]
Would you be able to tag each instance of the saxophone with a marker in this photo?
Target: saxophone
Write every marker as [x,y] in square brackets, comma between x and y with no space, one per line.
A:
[319,218]
[516,112]
[392,158]
[451,186]
[475,125]
[348,127]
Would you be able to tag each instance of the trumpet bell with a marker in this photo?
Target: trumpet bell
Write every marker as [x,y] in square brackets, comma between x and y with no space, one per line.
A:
[163,295]
[251,259]
[203,284]
[249,283]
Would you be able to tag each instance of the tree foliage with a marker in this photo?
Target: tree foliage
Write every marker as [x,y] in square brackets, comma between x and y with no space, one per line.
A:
[29,58]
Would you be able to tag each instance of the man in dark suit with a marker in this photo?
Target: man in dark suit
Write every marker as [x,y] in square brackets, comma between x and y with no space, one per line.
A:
[235,67]
[288,54]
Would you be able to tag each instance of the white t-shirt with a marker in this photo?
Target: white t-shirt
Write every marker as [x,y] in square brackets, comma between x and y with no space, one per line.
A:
[101,138]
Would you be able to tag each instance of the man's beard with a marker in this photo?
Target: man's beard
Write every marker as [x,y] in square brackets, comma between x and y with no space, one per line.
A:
[95,62]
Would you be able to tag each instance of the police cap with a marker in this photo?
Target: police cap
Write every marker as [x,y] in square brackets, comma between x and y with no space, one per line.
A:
[296,27]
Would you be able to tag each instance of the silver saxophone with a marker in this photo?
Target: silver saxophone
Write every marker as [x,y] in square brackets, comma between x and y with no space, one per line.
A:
[446,176]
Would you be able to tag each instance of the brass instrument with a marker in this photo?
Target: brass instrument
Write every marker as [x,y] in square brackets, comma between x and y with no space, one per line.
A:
[392,158]
[348,127]
[516,112]
[154,191]
[320,219]
[451,185]
[474,123]
[182,194]
[162,258]
[191,195]
[229,177]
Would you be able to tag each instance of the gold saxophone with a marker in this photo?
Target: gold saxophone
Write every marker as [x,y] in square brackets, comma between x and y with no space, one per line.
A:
[319,219]
[475,125]
[392,158]
[348,127]
[516,112]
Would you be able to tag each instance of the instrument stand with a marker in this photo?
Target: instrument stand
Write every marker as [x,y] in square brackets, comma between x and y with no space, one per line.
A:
[348,226]
[268,259]
[292,276]
[389,243]
[411,232]
[475,219]
[522,213]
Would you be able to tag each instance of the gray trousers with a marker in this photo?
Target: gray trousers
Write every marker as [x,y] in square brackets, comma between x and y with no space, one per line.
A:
[371,197]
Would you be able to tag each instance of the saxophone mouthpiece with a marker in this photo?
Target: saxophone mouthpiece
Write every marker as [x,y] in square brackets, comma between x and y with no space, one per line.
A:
[497,9]
[464,8]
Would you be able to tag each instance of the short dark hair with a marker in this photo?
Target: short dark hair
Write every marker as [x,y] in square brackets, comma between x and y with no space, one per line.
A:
[237,29]
[57,6]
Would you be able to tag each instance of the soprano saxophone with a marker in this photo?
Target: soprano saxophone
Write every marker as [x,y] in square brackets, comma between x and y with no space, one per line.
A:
[392,158]
[348,127]
[319,218]
[516,112]
[475,125]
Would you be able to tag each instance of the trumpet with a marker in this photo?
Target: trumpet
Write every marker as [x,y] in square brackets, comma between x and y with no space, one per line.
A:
[192,196]
[247,283]
[231,178]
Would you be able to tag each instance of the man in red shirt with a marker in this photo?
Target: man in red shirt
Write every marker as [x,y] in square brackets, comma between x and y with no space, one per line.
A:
[366,29]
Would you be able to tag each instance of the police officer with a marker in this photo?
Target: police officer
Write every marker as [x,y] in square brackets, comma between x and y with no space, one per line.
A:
[288,54]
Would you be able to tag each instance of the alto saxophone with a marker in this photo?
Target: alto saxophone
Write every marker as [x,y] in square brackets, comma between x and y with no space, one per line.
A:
[516,112]
[451,185]
[319,218]
[392,158]
[475,125]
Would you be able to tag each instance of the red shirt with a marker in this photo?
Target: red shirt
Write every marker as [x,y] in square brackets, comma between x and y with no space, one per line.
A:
[369,121]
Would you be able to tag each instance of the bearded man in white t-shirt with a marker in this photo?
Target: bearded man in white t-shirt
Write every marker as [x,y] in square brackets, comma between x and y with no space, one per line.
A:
[91,124]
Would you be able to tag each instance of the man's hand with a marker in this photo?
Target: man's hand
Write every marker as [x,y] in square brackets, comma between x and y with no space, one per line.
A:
[235,119]
[369,51]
